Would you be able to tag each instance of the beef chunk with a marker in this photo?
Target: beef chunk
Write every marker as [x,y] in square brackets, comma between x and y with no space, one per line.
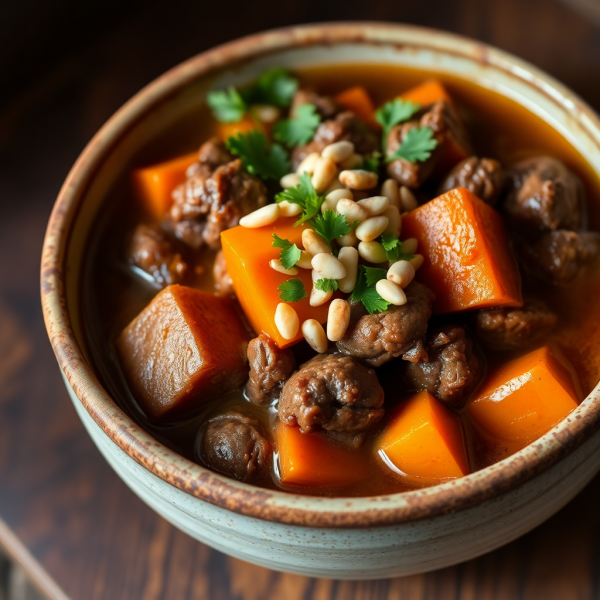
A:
[452,370]
[155,252]
[481,176]
[345,126]
[544,195]
[505,328]
[270,368]
[214,197]
[398,331]
[235,444]
[326,106]
[331,392]
[223,282]
[561,256]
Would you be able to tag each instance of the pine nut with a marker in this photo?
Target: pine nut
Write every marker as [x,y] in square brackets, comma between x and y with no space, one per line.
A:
[290,180]
[305,261]
[314,334]
[401,273]
[338,319]
[328,266]
[332,199]
[287,209]
[315,275]
[389,189]
[395,221]
[318,297]
[372,252]
[260,218]
[410,245]
[308,164]
[266,113]
[408,201]
[375,205]
[338,151]
[314,243]
[358,179]
[416,261]
[286,321]
[349,258]
[334,185]
[324,173]
[353,211]
[349,239]
[391,292]
[277,266]
[353,161]
[372,228]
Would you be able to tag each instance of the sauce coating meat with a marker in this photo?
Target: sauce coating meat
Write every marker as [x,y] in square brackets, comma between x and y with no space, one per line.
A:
[481,176]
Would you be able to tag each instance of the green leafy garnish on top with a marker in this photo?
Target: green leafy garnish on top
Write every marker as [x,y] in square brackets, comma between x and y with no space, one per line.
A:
[290,253]
[300,129]
[227,106]
[292,290]
[305,196]
[365,291]
[393,248]
[393,113]
[326,285]
[331,225]
[371,163]
[269,161]
[417,145]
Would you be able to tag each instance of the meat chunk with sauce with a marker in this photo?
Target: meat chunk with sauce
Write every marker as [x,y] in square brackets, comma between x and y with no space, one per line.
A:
[481,176]
[154,251]
[504,328]
[452,369]
[544,195]
[332,392]
[223,282]
[270,368]
[399,331]
[236,445]
[326,106]
[217,193]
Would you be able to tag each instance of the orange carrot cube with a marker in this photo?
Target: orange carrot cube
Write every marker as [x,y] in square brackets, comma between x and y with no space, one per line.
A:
[357,100]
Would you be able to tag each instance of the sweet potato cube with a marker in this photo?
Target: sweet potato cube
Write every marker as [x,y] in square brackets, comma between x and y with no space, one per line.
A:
[247,254]
[311,459]
[247,124]
[357,100]
[427,93]
[424,441]
[185,347]
[155,184]
[468,262]
[524,398]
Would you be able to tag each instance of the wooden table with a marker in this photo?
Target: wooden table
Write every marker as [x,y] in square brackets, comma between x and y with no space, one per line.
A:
[65,70]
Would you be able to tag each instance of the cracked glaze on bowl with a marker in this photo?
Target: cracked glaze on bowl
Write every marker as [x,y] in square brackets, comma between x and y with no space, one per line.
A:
[329,537]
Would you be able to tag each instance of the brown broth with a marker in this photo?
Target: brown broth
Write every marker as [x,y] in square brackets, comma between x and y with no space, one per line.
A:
[500,128]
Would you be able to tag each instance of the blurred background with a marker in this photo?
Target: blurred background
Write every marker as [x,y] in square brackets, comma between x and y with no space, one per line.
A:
[66,521]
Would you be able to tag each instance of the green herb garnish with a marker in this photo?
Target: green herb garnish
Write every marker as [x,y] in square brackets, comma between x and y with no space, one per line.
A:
[393,113]
[416,145]
[326,285]
[365,291]
[393,248]
[227,106]
[290,253]
[372,163]
[269,161]
[299,130]
[331,225]
[292,290]
[275,87]
[305,196]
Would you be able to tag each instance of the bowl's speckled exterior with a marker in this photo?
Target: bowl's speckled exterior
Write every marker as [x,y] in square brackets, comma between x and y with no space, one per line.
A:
[342,538]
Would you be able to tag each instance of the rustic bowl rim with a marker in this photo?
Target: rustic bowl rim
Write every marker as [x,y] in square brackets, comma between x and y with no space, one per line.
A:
[245,499]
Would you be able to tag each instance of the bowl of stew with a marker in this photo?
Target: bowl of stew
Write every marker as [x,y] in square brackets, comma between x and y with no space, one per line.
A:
[325,297]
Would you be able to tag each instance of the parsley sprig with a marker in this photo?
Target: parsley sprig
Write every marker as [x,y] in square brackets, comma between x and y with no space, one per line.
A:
[227,106]
[300,129]
[269,161]
[290,253]
[326,285]
[331,225]
[393,248]
[365,291]
[372,163]
[305,196]
[393,113]
[417,145]
[292,290]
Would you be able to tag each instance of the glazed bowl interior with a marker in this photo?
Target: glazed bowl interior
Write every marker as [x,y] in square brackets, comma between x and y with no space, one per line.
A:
[181,93]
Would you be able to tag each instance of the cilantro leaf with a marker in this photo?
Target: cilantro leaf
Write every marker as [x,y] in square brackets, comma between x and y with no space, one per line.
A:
[416,145]
[374,274]
[330,225]
[372,162]
[290,253]
[326,285]
[258,157]
[275,87]
[280,242]
[227,106]
[305,196]
[299,130]
[366,293]
[393,248]
[394,112]
[292,290]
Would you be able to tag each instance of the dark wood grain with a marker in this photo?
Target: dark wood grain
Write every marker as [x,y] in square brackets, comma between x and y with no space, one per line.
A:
[64,70]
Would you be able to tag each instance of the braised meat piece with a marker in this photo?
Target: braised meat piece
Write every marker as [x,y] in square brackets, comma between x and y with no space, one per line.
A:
[561,256]
[544,195]
[270,368]
[452,369]
[326,106]
[399,331]
[235,444]
[214,197]
[332,392]
[345,126]
[481,176]
[155,252]
[223,282]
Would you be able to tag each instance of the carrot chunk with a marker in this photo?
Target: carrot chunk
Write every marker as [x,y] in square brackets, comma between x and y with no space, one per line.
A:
[526,397]
[184,348]
[424,441]
[311,459]
[247,253]
[468,263]
[155,184]
[227,130]
[357,100]
[427,93]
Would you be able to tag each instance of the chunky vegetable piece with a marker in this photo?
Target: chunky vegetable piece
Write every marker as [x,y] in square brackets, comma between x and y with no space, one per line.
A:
[468,263]
[524,398]
[310,459]
[424,441]
[358,100]
[428,92]
[155,184]
[248,253]
[184,348]
[247,124]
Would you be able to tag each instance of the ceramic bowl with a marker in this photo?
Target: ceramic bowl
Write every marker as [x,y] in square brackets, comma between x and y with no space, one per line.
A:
[353,538]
